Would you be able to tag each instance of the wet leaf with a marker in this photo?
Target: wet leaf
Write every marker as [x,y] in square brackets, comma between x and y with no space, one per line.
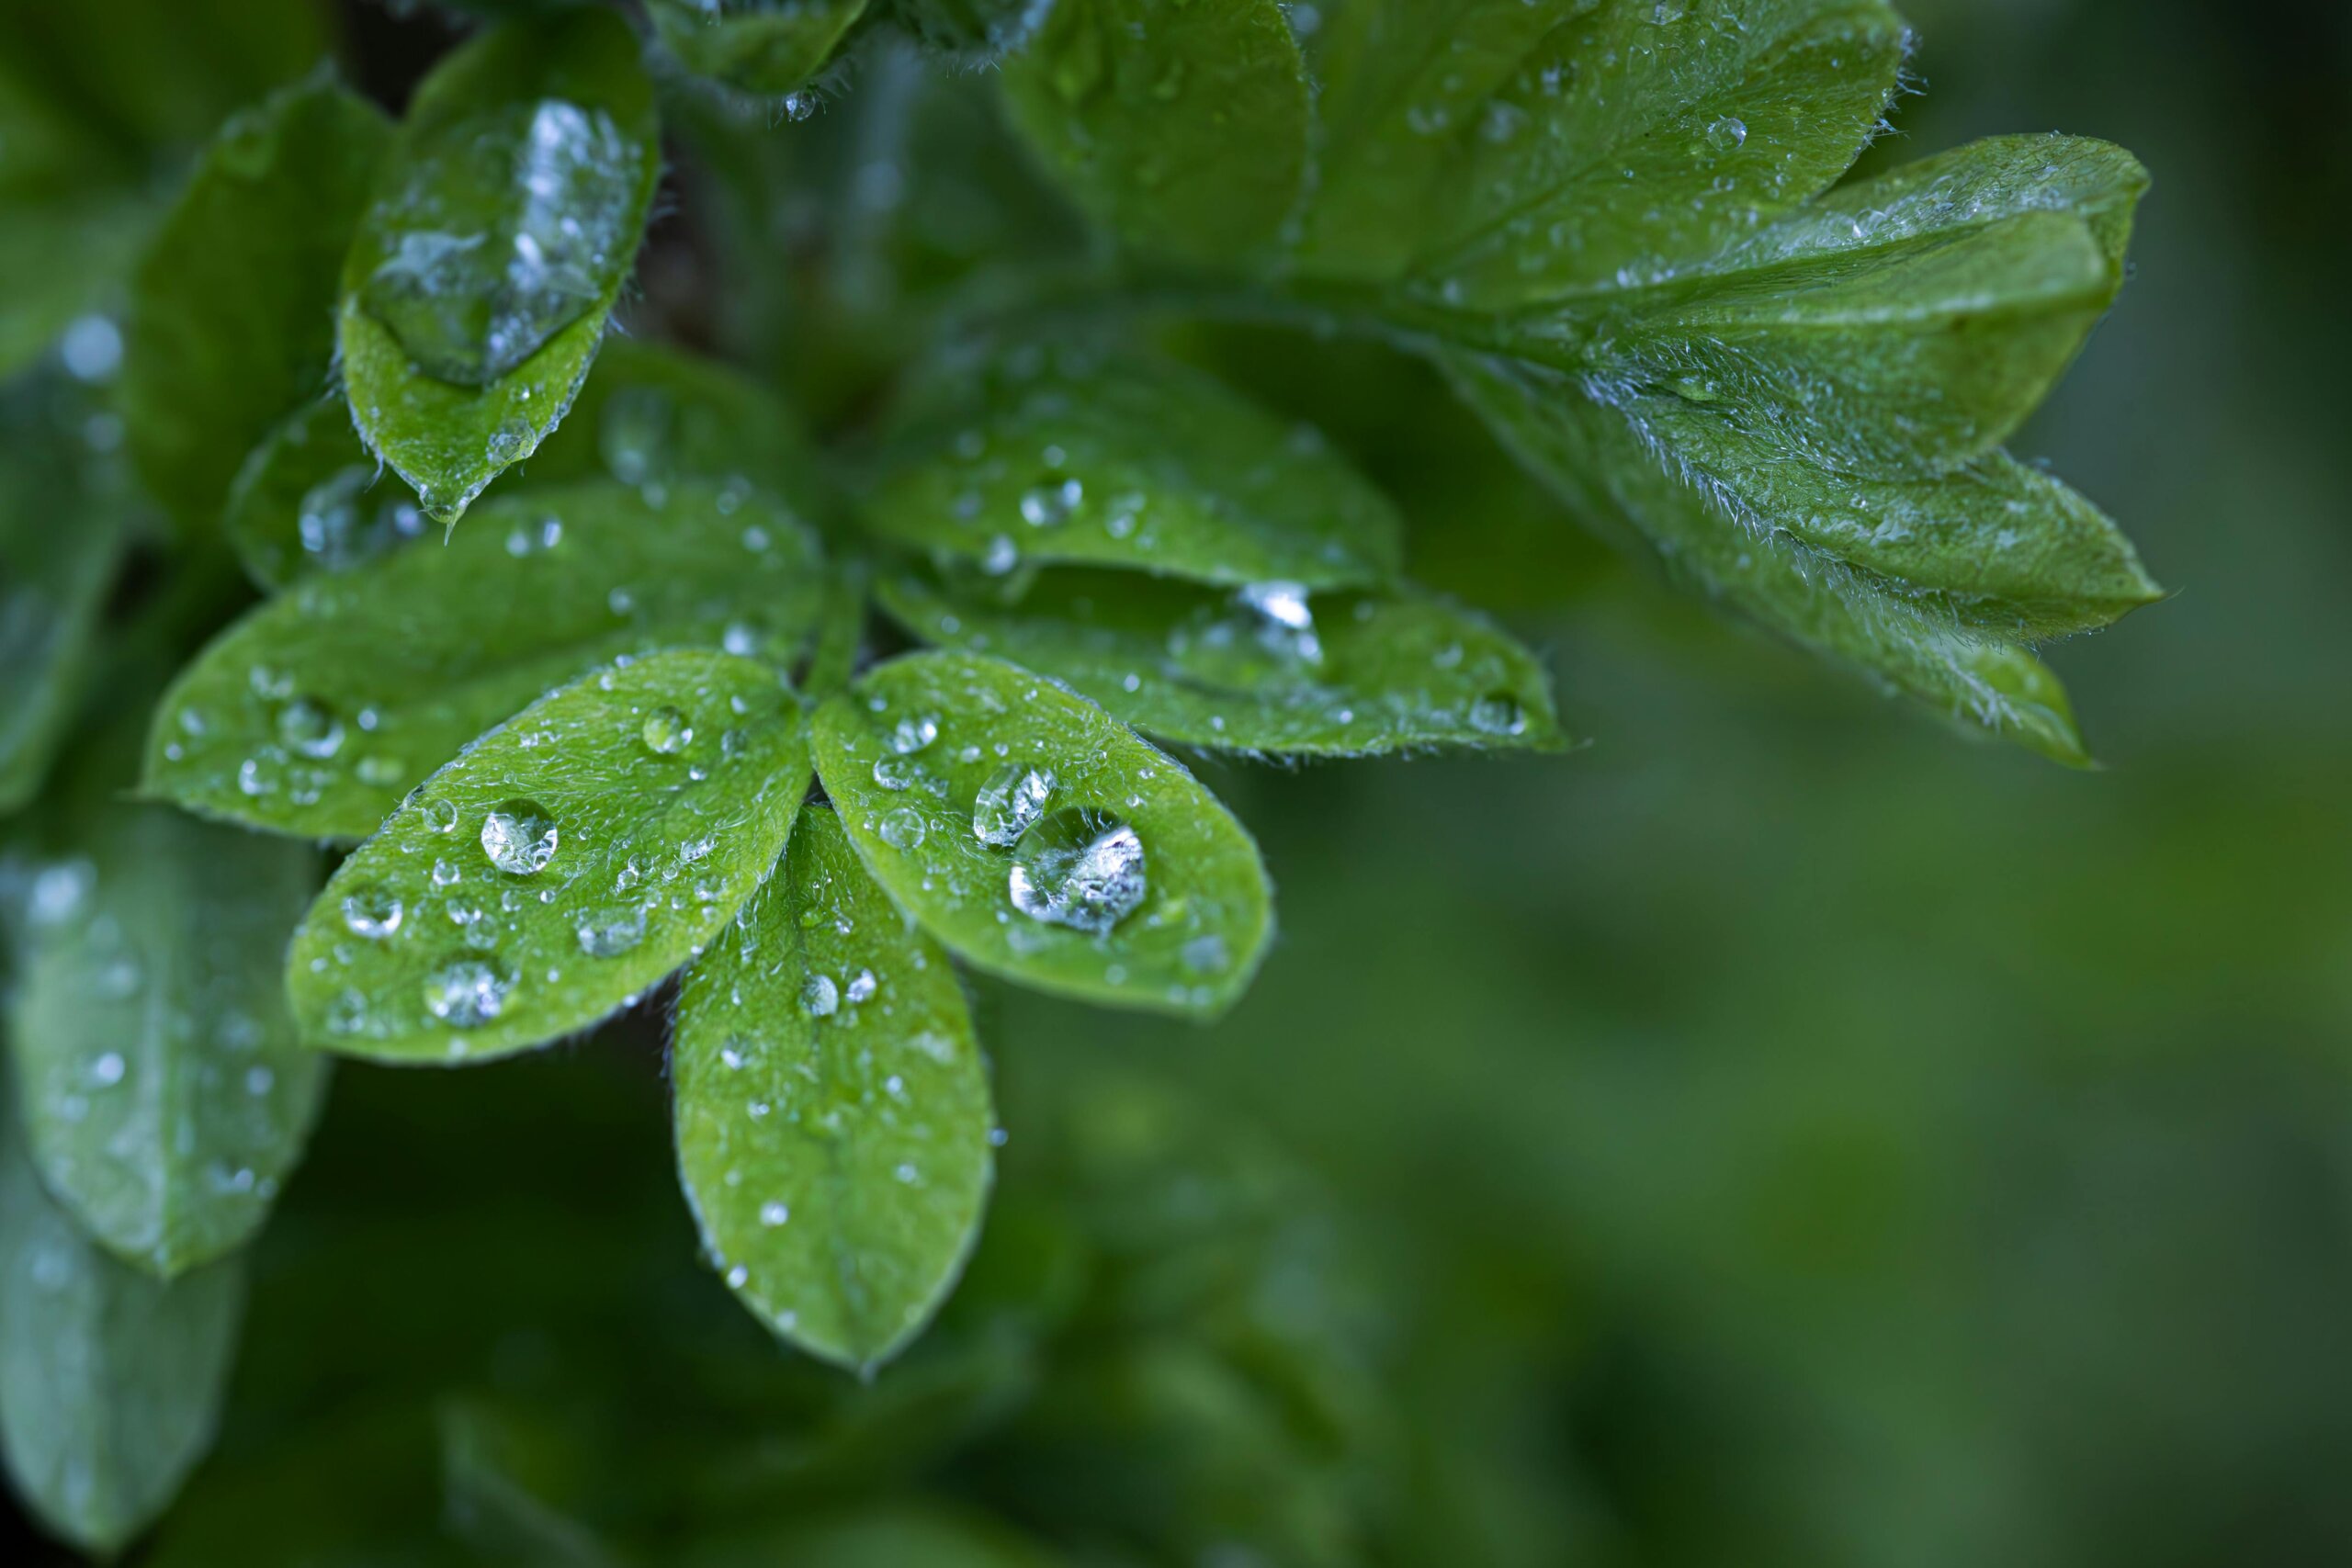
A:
[1689,495]
[156,1070]
[832,1108]
[1636,137]
[1182,128]
[503,224]
[214,357]
[1039,839]
[1345,674]
[565,862]
[1059,455]
[883,1535]
[319,710]
[62,259]
[310,498]
[969,32]
[770,47]
[110,1380]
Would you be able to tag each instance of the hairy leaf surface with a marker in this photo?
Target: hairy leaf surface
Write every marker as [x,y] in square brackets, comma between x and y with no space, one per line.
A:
[503,224]
[759,46]
[232,309]
[562,864]
[832,1108]
[320,709]
[1343,675]
[1039,839]
[1061,456]
[164,1094]
[110,1379]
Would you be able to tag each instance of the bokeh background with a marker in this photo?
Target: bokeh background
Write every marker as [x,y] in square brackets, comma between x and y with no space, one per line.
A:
[1779,1133]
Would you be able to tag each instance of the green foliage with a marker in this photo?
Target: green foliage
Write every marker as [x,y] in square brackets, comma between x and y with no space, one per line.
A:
[569,744]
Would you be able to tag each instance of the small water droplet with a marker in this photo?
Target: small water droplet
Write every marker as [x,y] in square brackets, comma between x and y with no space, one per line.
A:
[372,912]
[309,727]
[819,998]
[1051,504]
[607,933]
[902,829]
[467,994]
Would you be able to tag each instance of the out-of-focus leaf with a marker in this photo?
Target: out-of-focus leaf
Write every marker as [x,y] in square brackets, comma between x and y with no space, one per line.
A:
[1039,839]
[320,709]
[832,1109]
[156,1069]
[1402,82]
[881,1536]
[505,1476]
[1685,496]
[970,32]
[1346,675]
[503,224]
[1056,457]
[769,47]
[1634,138]
[1182,128]
[60,260]
[110,1380]
[310,499]
[62,525]
[563,863]
[232,308]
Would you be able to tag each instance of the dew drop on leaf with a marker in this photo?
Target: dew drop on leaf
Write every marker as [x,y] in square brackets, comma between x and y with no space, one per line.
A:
[467,994]
[902,829]
[1080,868]
[373,913]
[607,933]
[1014,797]
[519,837]
[667,733]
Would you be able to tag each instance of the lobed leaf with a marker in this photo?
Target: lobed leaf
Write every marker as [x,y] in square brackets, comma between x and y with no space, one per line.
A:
[1636,137]
[503,225]
[1107,873]
[1351,675]
[1181,126]
[320,709]
[1061,455]
[769,47]
[162,1092]
[232,307]
[1704,515]
[833,1120]
[562,864]
[110,1379]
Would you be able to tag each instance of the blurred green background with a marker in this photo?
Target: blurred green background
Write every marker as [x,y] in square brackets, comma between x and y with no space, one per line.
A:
[1777,1134]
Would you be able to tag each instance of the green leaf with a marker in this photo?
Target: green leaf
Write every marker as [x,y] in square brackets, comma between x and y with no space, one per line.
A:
[1721,520]
[110,1380]
[1180,127]
[155,1065]
[1048,456]
[232,310]
[1347,675]
[1636,137]
[507,1475]
[320,709]
[832,1109]
[62,530]
[1401,80]
[891,1534]
[503,223]
[1130,885]
[770,47]
[310,498]
[970,32]
[60,259]
[562,864]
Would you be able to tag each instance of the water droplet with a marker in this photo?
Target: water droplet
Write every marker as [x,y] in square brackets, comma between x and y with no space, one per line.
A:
[667,733]
[1204,955]
[309,727]
[91,348]
[519,837]
[819,998]
[912,735]
[441,814]
[1014,797]
[634,435]
[896,772]
[1498,713]
[1727,134]
[861,986]
[467,994]
[774,1214]
[607,933]
[107,1070]
[902,829]
[372,912]
[1051,504]
[1080,868]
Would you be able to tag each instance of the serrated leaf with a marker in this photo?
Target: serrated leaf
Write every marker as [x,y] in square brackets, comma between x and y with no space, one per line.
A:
[163,1093]
[1344,675]
[1182,128]
[1117,879]
[1401,80]
[769,47]
[1637,136]
[63,531]
[213,358]
[110,1380]
[832,1108]
[562,864]
[320,709]
[1707,523]
[1062,456]
[503,222]
[310,498]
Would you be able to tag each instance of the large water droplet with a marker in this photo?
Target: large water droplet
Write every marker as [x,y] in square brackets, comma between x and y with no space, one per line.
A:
[519,837]
[667,732]
[819,998]
[467,994]
[1014,797]
[607,933]
[1080,868]
[902,829]
[373,913]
